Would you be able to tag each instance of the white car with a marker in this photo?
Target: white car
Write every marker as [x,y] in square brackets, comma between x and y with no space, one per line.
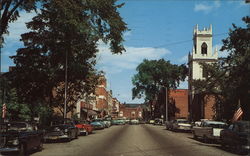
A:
[181,125]
[134,122]
[209,130]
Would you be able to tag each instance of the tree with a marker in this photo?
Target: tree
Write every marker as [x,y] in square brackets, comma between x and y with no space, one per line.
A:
[15,109]
[65,29]
[228,80]
[154,76]
[11,10]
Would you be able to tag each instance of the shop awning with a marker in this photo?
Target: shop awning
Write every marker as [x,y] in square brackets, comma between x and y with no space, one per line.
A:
[91,112]
[84,110]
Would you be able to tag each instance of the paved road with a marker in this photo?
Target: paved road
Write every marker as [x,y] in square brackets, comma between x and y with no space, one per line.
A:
[133,140]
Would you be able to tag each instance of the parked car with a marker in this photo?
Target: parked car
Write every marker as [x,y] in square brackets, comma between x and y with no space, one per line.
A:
[179,125]
[237,135]
[97,125]
[142,121]
[169,125]
[20,137]
[151,121]
[209,130]
[107,123]
[118,122]
[104,123]
[134,122]
[127,121]
[84,127]
[62,130]
[158,121]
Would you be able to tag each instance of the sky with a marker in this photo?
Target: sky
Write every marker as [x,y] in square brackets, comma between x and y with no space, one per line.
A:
[158,29]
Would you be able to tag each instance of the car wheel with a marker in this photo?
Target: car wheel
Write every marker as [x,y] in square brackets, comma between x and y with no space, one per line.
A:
[76,135]
[22,150]
[205,139]
[40,147]
[194,135]
[86,133]
[70,137]
[223,144]
[238,149]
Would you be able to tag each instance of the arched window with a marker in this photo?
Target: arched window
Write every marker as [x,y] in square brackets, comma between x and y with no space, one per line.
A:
[204,48]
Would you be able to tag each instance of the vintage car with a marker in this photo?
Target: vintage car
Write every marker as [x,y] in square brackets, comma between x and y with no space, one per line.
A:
[84,127]
[62,130]
[158,121]
[134,122]
[237,135]
[104,123]
[97,125]
[107,123]
[209,130]
[20,137]
[179,125]
[151,121]
[118,122]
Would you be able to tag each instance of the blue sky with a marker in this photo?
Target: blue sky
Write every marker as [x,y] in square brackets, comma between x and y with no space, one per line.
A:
[156,28]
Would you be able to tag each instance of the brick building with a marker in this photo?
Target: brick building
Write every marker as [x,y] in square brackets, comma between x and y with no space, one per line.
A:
[102,96]
[131,111]
[180,98]
[115,108]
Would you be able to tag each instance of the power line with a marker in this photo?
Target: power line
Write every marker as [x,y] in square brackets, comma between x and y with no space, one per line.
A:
[184,41]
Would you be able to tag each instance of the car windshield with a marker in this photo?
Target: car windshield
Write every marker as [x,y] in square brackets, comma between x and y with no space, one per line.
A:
[17,126]
[217,125]
[182,121]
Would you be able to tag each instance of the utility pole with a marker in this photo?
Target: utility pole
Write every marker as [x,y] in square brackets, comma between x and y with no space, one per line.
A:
[66,86]
[166,104]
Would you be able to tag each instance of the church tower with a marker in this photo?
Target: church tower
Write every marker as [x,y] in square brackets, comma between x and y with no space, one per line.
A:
[202,52]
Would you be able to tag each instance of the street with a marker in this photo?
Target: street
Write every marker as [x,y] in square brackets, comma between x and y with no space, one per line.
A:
[134,140]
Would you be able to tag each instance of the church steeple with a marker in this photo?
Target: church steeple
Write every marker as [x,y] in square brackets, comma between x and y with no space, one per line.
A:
[202,51]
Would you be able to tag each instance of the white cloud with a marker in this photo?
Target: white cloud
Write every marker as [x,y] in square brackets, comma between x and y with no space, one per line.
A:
[116,63]
[202,7]
[206,8]
[220,53]
[18,27]
[183,84]
[183,59]
[127,33]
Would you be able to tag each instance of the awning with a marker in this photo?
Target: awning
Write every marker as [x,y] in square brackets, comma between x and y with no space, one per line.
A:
[91,112]
[84,110]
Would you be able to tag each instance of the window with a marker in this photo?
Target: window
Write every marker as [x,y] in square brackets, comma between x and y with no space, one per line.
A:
[204,48]
[204,73]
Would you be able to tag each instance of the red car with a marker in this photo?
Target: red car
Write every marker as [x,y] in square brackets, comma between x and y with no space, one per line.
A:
[84,127]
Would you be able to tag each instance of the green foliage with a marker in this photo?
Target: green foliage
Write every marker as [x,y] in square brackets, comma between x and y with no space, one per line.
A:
[228,79]
[10,12]
[15,109]
[152,80]
[153,75]
[65,29]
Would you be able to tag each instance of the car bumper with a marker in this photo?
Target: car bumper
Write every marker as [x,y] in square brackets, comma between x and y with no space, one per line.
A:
[183,128]
[9,149]
[83,132]
[56,137]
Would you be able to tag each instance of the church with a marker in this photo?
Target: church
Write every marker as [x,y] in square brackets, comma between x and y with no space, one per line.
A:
[202,51]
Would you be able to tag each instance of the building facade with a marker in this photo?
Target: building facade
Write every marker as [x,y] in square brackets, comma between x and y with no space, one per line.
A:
[130,111]
[102,96]
[180,99]
[202,53]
